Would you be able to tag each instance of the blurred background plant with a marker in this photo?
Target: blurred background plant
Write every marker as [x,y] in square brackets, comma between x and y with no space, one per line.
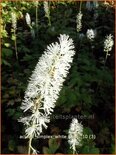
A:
[89,88]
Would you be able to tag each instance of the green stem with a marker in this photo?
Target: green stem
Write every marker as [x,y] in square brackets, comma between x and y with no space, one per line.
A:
[105,59]
[15,44]
[80,6]
[49,21]
[37,18]
[29,147]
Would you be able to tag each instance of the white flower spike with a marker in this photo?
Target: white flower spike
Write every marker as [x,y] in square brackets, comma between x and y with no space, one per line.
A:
[108,43]
[14,20]
[45,85]
[91,34]
[75,134]
[46,8]
[79,21]
[28,19]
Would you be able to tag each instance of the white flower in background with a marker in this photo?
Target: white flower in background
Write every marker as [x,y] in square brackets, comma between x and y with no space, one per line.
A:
[79,21]
[89,6]
[46,8]
[28,19]
[95,4]
[47,11]
[81,35]
[14,20]
[108,43]
[75,134]
[45,85]
[91,34]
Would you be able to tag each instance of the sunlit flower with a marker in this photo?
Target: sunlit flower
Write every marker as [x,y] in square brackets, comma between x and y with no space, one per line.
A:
[46,8]
[95,4]
[14,20]
[45,84]
[75,134]
[89,6]
[90,34]
[28,19]
[79,21]
[108,43]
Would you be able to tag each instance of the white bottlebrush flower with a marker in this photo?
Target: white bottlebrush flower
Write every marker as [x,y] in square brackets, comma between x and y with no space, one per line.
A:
[45,85]
[108,43]
[91,34]
[46,8]
[28,19]
[79,21]
[75,134]
[81,36]
[95,4]
[14,20]
[89,6]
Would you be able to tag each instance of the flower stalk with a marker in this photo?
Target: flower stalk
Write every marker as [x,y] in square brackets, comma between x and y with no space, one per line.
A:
[14,26]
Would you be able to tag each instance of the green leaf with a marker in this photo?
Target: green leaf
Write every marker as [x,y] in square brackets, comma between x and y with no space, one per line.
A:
[6,63]
[6,44]
[13,37]
[6,52]
[10,112]
[89,149]
[53,145]
[11,145]
[45,150]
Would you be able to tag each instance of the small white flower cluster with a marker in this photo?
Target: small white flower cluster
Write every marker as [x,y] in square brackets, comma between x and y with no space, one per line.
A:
[79,21]
[28,19]
[95,4]
[30,24]
[92,5]
[108,43]
[89,6]
[90,34]
[46,9]
[75,134]
[14,20]
[45,85]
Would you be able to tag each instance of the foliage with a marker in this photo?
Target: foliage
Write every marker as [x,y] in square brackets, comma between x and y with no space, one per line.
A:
[89,88]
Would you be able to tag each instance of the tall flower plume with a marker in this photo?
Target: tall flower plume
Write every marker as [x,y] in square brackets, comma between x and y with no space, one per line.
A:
[47,11]
[79,21]
[14,20]
[108,43]
[28,19]
[46,8]
[45,84]
[75,134]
